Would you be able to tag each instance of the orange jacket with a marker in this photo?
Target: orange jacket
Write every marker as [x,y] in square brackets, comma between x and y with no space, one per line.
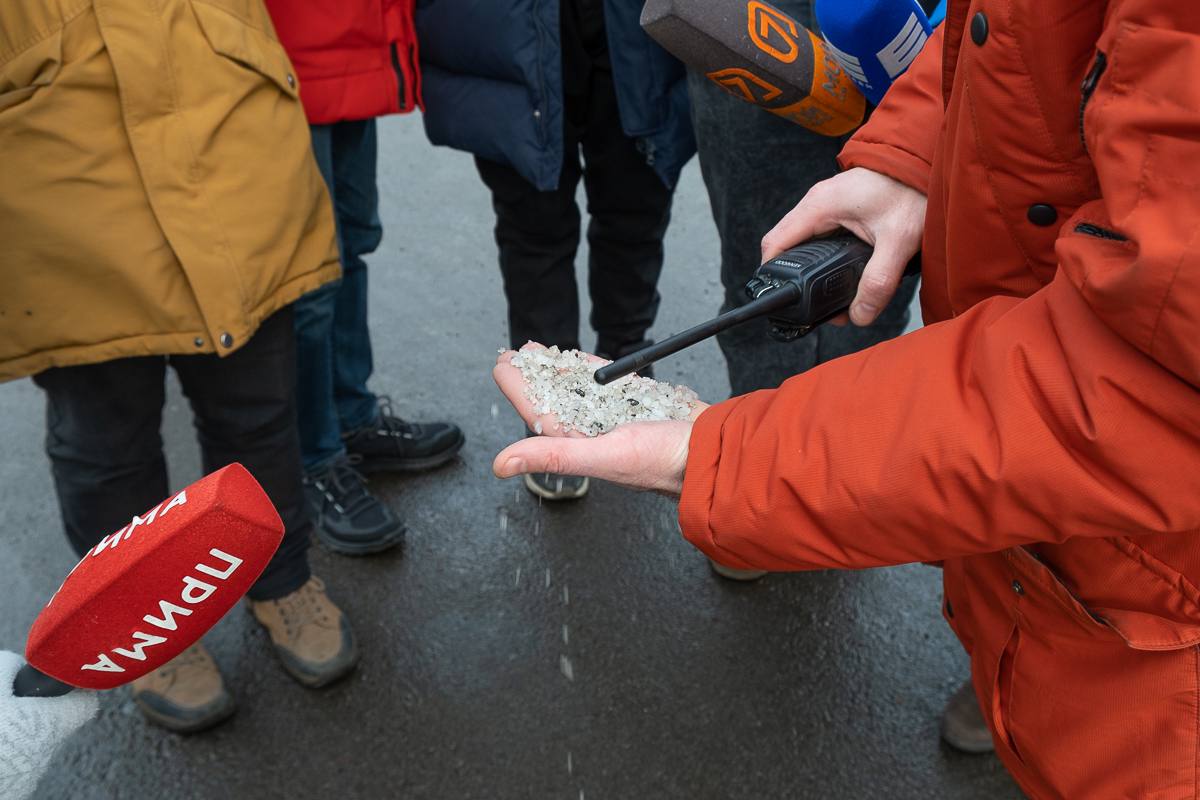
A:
[1042,436]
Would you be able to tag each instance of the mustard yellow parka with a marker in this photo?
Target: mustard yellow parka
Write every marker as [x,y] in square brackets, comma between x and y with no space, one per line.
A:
[158,192]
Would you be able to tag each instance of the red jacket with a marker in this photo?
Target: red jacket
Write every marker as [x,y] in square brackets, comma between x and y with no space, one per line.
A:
[1042,435]
[355,59]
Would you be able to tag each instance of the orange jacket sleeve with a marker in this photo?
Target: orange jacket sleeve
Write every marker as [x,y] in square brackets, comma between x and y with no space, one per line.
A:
[1072,412]
[899,138]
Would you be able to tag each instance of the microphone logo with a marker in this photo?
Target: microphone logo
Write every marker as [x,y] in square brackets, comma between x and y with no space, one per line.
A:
[194,592]
[742,83]
[849,63]
[111,541]
[897,54]
[772,31]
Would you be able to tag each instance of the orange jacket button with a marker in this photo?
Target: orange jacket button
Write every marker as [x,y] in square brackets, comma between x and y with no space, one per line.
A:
[979,28]
[1041,214]
[1018,588]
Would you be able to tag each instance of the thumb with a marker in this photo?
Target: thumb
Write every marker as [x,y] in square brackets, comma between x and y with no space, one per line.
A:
[537,454]
[800,224]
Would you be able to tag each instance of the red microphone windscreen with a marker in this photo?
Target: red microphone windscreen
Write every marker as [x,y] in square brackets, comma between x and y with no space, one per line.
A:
[150,590]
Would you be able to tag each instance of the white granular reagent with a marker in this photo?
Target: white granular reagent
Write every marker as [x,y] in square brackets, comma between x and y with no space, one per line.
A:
[561,383]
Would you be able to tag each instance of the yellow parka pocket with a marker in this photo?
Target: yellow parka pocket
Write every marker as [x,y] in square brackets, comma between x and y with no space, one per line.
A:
[32,69]
[247,46]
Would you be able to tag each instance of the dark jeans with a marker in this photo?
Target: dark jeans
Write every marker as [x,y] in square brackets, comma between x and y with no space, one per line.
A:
[106,450]
[538,232]
[333,343]
[756,167]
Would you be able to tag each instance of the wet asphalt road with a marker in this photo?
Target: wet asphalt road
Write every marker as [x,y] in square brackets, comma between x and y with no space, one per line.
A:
[581,652]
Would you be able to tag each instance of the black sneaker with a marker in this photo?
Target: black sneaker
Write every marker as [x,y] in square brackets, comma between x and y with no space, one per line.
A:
[391,444]
[350,520]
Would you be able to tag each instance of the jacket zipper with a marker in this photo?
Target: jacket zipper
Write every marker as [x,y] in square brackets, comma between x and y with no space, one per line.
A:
[415,63]
[1088,87]
[1088,229]
[399,74]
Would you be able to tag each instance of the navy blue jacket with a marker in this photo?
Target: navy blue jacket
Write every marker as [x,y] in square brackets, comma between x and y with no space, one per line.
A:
[491,73]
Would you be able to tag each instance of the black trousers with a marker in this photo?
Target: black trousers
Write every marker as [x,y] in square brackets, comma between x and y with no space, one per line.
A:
[538,232]
[106,452]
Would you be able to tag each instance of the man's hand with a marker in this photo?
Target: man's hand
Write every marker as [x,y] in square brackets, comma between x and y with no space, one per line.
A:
[884,213]
[639,455]
[32,728]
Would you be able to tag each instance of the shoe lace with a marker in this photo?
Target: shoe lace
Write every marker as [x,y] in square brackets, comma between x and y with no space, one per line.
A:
[390,424]
[306,605]
[345,487]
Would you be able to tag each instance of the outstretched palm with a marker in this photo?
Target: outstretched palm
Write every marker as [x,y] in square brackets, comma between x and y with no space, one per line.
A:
[640,455]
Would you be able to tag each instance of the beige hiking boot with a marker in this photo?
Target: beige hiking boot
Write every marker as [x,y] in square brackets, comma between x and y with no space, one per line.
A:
[735,574]
[310,634]
[963,726]
[727,572]
[185,695]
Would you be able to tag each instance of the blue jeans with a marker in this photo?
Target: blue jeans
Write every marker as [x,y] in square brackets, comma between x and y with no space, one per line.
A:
[333,344]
